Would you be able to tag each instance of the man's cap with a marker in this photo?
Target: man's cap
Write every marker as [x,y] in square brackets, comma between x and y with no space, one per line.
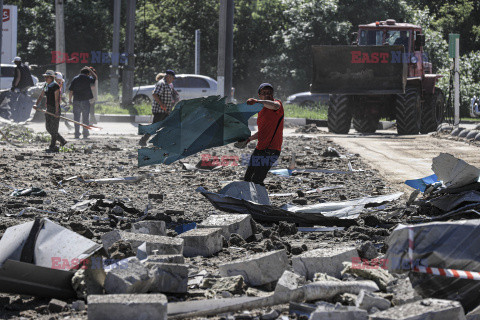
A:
[171,72]
[264,85]
[58,76]
[49,73]
[17,59]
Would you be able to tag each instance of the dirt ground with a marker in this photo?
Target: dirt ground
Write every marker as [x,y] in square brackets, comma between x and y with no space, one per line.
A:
[115,156]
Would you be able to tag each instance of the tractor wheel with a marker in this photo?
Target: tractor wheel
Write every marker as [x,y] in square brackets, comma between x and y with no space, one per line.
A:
[433,111]
[339,114]
[366,123]
[408,111]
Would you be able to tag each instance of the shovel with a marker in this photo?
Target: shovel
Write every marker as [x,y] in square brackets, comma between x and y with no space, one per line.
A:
[86,126]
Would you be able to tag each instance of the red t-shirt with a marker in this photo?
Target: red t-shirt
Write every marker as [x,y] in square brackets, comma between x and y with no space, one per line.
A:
[267,121]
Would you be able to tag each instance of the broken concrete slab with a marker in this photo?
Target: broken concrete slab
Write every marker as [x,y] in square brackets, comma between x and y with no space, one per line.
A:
[202,242]
[128,276]
[432,309]
[167,258]
[168,277]
[368,300]
[56,306]
[229,223]
[289,281]
[89,281]
[328,311]
[234,285]
[402,291]
[317,277]
[324,260]
[127,306]
[150,227]
[164,245]
[257,269]
[377,274]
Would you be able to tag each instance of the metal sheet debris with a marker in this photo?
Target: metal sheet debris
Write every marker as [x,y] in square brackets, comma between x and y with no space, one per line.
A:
[26,250]
[454,172]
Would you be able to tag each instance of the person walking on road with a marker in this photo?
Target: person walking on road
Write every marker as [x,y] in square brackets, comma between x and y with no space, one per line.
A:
[164,98]
[81,91]
[51,91]
[269,135]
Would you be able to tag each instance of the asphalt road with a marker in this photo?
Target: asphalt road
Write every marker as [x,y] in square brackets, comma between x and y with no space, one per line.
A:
[400,158]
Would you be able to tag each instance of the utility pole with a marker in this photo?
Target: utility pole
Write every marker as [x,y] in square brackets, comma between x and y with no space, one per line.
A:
[197,51]
[60,35]
[127,81]
[454,52]
[225,49]
[115,49]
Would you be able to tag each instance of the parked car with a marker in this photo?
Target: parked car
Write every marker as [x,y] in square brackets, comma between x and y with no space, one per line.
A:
[188,86]
[8,71]
[307,99]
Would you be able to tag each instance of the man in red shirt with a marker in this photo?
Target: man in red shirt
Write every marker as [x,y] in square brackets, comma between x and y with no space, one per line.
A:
[269,135]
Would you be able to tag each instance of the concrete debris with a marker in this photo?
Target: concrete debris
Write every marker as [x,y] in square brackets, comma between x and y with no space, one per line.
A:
[150,227]
[289,281]
[202,242]
[168,277]
[402,291]
[234,285]
[120,250]
[309,292]
[229,223]
[367,251]
[128,276]
[317,277]
[424,309]
[78,305]
[56,306]
[167,258]
[338,312]
[257,269]
[474,314]
[88,281]
[165,245]
[368,300]
[324,260]
[127,306]
[379,275]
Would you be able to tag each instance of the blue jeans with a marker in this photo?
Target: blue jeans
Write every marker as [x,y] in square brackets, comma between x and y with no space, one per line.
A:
[81,108]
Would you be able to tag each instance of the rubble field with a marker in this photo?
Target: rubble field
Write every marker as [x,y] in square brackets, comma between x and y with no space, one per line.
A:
[166,244]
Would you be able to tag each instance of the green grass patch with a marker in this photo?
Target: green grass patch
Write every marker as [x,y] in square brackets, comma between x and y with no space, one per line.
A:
[315,111]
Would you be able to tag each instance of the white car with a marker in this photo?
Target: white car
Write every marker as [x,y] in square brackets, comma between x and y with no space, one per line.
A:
[8,71]
[188,86]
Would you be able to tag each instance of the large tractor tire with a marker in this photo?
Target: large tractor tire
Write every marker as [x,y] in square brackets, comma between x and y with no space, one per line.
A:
[433,111]
[339,114]
[408,111]
[365,123]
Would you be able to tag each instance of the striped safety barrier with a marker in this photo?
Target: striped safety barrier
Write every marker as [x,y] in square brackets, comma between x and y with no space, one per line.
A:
[452,273]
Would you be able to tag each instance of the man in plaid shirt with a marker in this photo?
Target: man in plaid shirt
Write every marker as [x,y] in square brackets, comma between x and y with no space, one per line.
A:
[164,98]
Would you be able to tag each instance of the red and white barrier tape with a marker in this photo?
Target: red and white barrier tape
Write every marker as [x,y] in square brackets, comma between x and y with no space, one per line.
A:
[452,273]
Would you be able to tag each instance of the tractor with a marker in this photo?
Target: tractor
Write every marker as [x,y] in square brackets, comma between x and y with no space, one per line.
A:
[383,74]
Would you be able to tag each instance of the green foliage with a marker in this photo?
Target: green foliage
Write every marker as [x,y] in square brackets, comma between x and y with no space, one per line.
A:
[317,111]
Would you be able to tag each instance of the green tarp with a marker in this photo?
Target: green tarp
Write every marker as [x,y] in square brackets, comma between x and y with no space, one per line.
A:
[195,125]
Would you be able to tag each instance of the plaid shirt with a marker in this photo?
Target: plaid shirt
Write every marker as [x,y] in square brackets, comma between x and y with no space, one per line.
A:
[165,93]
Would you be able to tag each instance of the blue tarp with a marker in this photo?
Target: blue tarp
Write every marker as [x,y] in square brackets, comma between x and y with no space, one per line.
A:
[195,125]
[422,183]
